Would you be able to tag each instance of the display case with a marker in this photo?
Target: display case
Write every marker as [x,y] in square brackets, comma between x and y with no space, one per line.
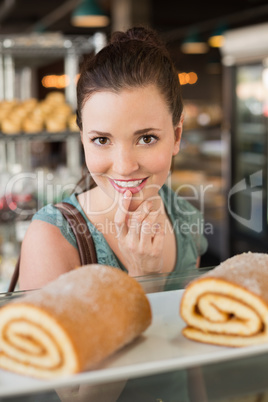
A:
[161,365]
[199,173]
[246,113]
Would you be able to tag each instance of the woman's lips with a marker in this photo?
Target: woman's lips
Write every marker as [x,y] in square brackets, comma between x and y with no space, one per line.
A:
[133,185]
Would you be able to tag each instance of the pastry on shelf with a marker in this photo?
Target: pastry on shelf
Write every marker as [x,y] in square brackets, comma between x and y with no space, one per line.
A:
[10,126]
[73,323]
[18,112]
[64,109]
[33,116]
[55,125]
[29,104]
[3,113]
[62,112]
[32,125]
[72,123]
[8,104]
[45,108]
[55,97]
[5,109]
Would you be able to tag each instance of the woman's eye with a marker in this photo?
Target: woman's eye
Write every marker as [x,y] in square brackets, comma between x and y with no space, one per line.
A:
[148,139]
[101,140]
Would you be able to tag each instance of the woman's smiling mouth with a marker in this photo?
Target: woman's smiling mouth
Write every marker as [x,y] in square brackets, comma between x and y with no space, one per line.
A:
[133,185]
[129,183]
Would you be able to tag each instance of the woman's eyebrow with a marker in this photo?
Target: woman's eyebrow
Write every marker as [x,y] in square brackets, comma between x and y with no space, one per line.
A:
[146,130]
[101,133]
[137,132]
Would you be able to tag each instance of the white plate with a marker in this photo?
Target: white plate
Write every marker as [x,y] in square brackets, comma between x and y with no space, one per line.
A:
[161,348]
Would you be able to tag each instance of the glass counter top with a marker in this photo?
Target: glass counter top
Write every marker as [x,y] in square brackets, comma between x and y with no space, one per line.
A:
[228,374]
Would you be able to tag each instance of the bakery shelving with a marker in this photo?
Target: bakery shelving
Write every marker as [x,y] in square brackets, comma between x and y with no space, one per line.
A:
[199,173]
[20,58]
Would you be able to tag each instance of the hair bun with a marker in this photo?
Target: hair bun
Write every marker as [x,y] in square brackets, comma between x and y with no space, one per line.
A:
[142,34]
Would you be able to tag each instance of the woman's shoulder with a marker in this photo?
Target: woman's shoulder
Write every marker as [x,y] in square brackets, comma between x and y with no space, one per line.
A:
[52,215]
[45,255]
[51,212]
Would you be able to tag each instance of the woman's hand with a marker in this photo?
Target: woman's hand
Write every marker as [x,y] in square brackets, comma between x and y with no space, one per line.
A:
[140,236]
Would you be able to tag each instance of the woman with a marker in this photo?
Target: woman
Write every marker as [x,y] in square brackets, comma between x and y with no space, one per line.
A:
[129,112]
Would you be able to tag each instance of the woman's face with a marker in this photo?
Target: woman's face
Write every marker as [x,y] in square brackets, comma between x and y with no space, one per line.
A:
[129,141]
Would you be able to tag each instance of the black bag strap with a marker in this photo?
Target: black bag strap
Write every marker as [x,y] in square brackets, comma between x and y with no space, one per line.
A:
[15,277]
[81,231]
[82,234]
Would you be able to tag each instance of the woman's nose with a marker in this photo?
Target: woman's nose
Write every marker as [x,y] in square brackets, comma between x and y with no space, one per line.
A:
[125,162]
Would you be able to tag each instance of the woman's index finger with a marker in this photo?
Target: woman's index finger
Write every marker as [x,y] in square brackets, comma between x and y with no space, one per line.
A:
[120,218]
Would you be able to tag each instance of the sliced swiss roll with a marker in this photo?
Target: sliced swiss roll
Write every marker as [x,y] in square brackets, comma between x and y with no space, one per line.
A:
[229,304]
[73,323]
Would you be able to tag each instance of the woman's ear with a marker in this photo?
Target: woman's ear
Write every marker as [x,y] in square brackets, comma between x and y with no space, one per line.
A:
[178,133]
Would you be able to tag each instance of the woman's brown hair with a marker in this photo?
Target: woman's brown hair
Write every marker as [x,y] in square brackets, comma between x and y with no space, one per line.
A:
[135,58]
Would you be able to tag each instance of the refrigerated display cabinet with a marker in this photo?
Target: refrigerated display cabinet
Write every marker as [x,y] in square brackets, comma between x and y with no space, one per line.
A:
[245,61]
[199,173]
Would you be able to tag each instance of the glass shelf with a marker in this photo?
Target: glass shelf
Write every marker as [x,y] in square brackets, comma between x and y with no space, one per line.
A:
[222,380]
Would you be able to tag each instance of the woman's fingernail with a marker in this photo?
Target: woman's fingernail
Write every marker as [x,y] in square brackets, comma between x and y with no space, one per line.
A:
[127,194]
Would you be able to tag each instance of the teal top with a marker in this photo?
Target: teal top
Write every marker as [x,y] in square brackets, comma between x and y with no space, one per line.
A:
[186,221]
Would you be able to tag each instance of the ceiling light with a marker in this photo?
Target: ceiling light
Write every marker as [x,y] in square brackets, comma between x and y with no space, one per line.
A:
[217,37]
[194,45]
[187,78]
[216,40]
[89,14]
